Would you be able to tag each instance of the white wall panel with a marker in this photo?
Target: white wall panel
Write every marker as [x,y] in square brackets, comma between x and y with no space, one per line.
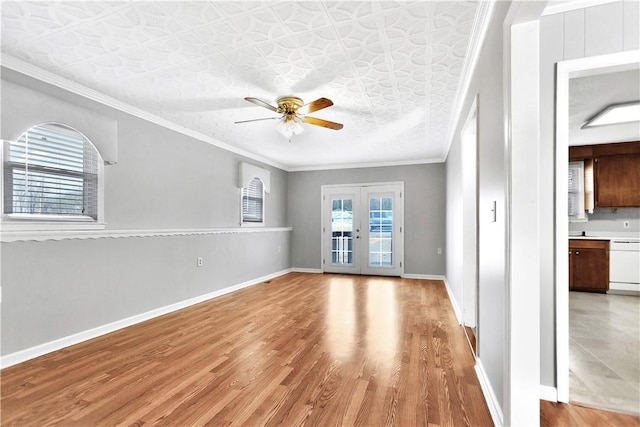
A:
[631,29]
[603,29]
[573,34]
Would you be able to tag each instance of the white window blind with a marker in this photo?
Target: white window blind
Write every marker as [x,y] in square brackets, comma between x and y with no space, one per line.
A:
[253,202]
[51,170]
[576,191]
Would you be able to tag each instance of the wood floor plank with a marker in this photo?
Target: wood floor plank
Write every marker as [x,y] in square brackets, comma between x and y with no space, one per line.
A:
[304,349]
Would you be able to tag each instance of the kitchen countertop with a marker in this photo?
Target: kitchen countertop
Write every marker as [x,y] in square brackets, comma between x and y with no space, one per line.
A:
[605,235]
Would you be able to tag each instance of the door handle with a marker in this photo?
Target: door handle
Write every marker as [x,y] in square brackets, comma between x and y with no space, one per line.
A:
[577,252]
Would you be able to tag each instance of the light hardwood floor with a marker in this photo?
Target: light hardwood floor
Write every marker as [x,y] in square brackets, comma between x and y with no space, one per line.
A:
[303,349]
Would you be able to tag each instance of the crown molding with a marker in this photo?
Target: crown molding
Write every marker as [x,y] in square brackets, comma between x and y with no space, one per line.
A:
[366,165]
[481,22]
[17,65]
[12,63]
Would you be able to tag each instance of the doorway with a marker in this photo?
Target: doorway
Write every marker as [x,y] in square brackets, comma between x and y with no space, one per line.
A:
[362,229]
[566,71]
[470,226]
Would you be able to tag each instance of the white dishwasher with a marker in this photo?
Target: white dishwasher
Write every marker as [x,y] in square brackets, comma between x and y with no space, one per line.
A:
[624,266]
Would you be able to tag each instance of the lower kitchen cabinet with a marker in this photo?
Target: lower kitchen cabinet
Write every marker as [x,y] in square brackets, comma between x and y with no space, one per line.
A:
[589,265]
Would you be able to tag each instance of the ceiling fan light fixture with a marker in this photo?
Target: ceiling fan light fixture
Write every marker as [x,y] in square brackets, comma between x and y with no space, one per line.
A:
[290,122]
[614,114]
[289,126]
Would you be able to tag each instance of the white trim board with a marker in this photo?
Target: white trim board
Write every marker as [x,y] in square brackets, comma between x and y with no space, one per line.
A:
[366,165]
[42,349]
[481,22]
[423,276]
[307,270]
[566,70]
[548,393]
[454,303]
[489,395]
[41,236]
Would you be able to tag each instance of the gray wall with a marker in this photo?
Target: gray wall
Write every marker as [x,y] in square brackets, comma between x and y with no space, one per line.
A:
[424,211]
[487,84]
[597,30]
[55,289]
[163,180]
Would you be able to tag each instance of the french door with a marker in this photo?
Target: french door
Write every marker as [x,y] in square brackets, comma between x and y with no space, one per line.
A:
[362,229]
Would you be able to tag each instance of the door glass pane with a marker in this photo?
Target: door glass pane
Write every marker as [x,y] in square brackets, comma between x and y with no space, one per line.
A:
[341,231]
[380,232]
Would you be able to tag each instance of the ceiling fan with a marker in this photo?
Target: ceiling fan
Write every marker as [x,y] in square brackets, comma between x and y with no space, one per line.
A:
[293,112]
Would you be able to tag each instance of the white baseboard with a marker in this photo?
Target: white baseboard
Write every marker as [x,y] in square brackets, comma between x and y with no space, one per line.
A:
[42,349]
[548,393]
[624,288]
[454,303]
[489,395]
[423,276]
[307,270]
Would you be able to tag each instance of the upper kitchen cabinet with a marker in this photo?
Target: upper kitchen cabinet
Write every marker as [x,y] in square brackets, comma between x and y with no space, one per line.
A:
[617,181]
[616,172]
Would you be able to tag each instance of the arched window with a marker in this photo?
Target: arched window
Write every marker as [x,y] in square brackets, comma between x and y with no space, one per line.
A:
[52,172]
[253,203]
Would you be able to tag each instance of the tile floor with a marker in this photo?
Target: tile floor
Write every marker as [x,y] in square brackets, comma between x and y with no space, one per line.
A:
[604,351]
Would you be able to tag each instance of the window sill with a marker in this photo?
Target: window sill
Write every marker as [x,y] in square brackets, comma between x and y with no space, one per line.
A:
[252,224]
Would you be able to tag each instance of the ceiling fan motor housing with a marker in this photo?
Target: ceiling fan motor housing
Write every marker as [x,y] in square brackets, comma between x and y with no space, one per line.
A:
[288,105]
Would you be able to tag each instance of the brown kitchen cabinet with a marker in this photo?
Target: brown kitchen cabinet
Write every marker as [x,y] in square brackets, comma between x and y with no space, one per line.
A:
[618,181]
[616,172]
[589,265]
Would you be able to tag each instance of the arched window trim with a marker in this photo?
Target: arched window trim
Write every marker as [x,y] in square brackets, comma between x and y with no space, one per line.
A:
[38,223]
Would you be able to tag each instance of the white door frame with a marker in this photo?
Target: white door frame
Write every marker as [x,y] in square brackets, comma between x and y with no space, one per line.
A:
[567,70]
[398,225]
[470,246]
[521,379]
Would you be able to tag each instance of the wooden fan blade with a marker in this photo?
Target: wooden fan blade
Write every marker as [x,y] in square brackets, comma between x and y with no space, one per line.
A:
[316,105]
[261,103]
[256,120]
[323,123]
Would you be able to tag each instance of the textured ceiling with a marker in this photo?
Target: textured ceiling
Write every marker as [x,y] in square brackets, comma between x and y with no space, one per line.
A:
[392,69]
[590,95]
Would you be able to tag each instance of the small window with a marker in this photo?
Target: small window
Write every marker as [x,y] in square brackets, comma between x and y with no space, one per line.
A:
[253,203]
[51,173]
